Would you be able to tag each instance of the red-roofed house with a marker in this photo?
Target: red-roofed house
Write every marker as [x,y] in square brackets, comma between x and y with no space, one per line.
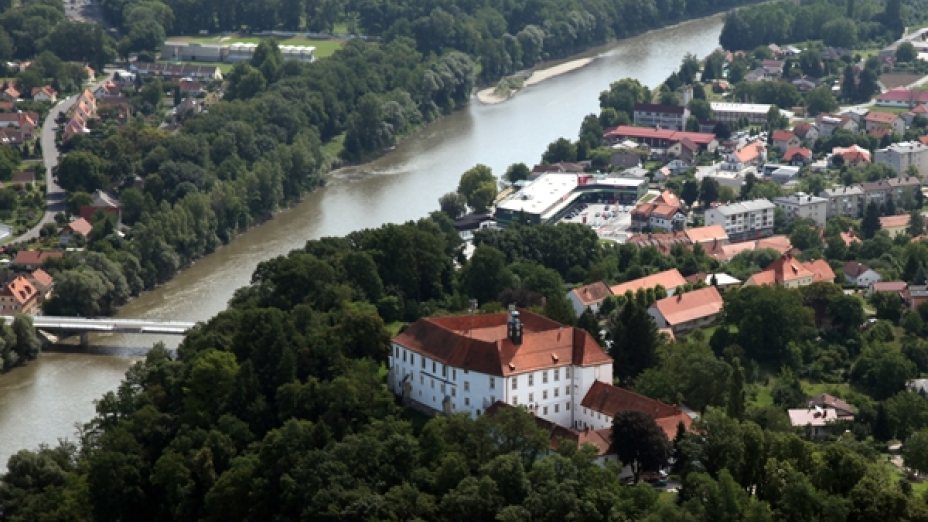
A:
[789,272]
[45,94]
[798,156]
[850,156]
[658,215]
[712,234]
[784,140]
[806,132]
[18,296]
[467,363]
[659,138]
[10,92]
[604,401]
[80,227]
[101,202]
[43,282]
[902,97]
[668,279]
[895,225]
[885,120]
[689,310]
[588,297]
[32,259]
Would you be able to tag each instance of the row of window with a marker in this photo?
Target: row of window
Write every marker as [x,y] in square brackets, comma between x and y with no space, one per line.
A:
[544,377]
[544,409]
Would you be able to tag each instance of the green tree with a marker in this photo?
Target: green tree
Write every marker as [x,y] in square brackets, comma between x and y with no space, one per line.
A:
[453,204]
[736,391]
[690,191]
[881,371]
[871,221]
[905,52]
[634,339]
[81,171]
[28,344]
[478,186]
[916,223]
[709,191]
[486,274]
[805,235]
[517,172]
[639,442]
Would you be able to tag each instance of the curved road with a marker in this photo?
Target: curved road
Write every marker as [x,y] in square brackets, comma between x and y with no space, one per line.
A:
[54,195]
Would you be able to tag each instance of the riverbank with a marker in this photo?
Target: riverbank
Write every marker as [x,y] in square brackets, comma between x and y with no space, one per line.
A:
[491,95]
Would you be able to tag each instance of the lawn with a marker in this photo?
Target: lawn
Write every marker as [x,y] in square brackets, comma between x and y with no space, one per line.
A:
[324,48]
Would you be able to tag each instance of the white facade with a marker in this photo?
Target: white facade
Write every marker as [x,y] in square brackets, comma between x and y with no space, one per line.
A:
[804,206]
[844,201]
[553,394]
[743,220]
[901,156]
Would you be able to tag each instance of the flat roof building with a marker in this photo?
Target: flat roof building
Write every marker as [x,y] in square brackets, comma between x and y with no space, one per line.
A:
[754,113]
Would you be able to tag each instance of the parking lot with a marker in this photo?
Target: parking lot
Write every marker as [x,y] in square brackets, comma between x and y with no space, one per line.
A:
[608,221]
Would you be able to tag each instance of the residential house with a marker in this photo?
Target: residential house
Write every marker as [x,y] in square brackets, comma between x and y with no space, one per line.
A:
[901,190]
[789,272]
[784,140]
[751,155]
[604,401]
[743,220]
[885,120]
[663,243]
[817,421]
[661,116]
[32,259]
[712,234]
[901,157]
[773,69]
[190,87]
[43,282]
[850,156]
[798,156]
[467,363]
[860,275]
[804,206]
[915,295]
[101,202]
[804,84]
[79,227]
[827,124]
[669,280]
[107,89]
[625,160]
[895,225]
[18,296]
[806,132]
[844,410]
[725,253]
[662,213]
[684,312]
[896,287]
[844,201]
[115,108]
[177,71]
[588,297]
[9,92]
[919,386]
[902,97]
[44,94]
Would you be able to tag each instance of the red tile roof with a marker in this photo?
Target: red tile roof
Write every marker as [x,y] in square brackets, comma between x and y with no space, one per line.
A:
[480,343]
[41,278]
[669,279]
[903,94]
[611,400]
[750,152]
[80,226]
[885,118]
[889,286]
[783,135]
[21,290]
[592,293]
[794,151]
[35,257]
[853,154]
[628,131]
[686,307]
[707,234]
[900,221]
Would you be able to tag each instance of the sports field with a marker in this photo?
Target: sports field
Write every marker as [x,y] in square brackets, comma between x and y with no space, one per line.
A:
[324,48]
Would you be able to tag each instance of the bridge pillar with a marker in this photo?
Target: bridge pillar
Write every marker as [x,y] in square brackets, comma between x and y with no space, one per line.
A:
[85,339]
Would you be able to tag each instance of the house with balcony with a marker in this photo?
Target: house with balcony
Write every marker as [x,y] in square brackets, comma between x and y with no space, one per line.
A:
[743,220]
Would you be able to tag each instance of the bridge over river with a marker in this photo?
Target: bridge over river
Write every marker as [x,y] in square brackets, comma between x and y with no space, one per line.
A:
[69,326]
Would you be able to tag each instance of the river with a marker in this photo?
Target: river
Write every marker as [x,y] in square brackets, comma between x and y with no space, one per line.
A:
[42,402]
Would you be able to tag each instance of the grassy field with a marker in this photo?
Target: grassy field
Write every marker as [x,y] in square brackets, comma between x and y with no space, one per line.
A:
[324,48]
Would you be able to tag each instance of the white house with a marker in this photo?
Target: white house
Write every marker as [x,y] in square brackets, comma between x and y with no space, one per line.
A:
[588,297]
[860,275]
[467,363]
[743,220]
[806,206]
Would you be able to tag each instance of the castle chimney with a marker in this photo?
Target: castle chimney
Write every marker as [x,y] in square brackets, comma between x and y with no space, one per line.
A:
[514,327]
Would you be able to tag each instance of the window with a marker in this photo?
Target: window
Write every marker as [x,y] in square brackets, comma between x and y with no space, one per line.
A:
[544,395]
[444,371]
[454,391]
[566,390]
[557,374]
[467,402]
[531,397]
[545,410]
[443,387]
[434,370]
[556,391]
[454,374]
[515,400]
[412,359]
[423,363]
[567,406]
[432,381]
[492,383]
[531,379]
[404,355]
[421,379]
[396,351]
[515,383]
[556,408]
[567,372]
[544,377]
[466,386]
